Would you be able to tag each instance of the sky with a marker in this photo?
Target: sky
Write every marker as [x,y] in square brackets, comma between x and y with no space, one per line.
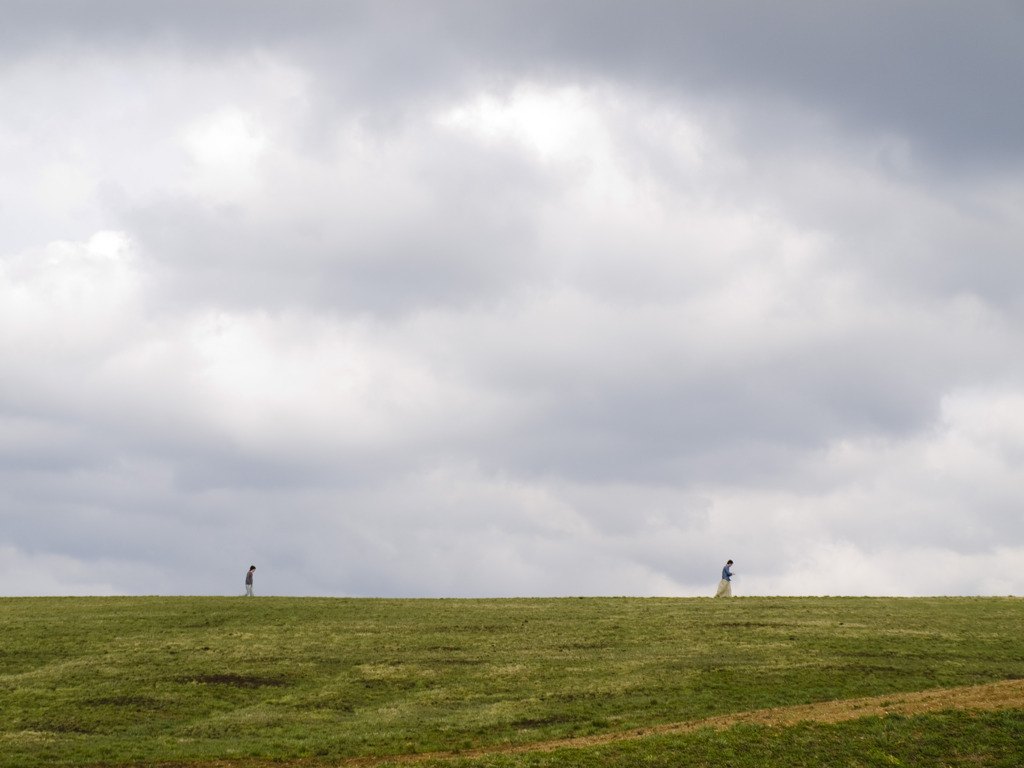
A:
[495,299]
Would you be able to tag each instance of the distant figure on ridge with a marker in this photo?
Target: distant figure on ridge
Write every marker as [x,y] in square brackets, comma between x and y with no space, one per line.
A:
[248,580]
[725,585]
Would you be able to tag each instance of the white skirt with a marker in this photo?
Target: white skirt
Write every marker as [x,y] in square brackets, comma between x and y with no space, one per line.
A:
[724,588]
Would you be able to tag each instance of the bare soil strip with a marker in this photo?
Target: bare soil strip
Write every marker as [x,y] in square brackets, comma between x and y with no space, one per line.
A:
[1003,695]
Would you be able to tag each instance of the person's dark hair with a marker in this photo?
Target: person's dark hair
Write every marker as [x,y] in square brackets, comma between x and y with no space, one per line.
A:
[253,567]
[727,563]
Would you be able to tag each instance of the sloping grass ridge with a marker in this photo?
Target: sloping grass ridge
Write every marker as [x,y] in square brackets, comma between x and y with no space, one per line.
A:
[121,681]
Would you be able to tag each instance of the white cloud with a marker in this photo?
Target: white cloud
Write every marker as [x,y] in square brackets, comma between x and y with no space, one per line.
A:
[66,298]
[227,147]
[559,125]
[229,138]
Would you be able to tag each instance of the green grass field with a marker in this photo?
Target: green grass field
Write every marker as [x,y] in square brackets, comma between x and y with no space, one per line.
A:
[311,681]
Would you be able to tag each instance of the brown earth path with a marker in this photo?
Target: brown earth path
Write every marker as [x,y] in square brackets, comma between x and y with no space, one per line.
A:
[1003,695]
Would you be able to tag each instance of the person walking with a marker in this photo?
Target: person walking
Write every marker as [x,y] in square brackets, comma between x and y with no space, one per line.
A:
[248,580]
[725,585]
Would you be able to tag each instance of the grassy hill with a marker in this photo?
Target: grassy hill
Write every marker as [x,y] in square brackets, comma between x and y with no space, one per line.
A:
[311,681]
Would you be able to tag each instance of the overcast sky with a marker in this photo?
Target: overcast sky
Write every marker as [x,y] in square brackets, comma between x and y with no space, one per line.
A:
[480,299]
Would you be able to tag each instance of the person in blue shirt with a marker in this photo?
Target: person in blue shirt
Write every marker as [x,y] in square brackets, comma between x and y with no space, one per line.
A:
[725,585]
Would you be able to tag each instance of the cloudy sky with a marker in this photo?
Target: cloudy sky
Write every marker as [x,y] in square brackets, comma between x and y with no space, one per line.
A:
[511,298]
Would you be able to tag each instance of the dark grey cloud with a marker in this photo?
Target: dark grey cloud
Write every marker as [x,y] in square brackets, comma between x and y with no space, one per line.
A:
[943,77]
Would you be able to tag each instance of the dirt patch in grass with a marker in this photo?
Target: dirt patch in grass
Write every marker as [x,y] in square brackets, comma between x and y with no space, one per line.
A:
[237,681]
